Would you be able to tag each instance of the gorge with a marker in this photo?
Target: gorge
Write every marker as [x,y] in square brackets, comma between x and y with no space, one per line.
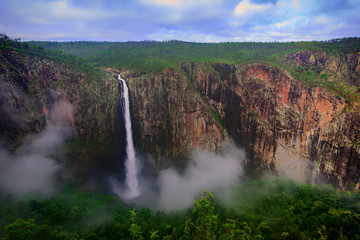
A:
[285,126]
[270,129]
[295,113]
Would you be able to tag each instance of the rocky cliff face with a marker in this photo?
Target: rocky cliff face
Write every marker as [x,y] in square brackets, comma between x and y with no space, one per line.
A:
[298,131]
[171,117]
[344,67]
[36,92]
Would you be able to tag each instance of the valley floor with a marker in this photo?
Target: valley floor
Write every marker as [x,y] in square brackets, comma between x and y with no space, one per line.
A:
[269,208]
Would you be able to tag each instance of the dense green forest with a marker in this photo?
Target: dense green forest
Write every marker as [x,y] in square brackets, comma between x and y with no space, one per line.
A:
[38,50]
[152,56]
[259,209]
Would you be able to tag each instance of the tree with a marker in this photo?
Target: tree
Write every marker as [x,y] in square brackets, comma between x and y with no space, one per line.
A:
[20,229]
[25,45]
[4,39]
[154,234]
[135,230]
[206,221]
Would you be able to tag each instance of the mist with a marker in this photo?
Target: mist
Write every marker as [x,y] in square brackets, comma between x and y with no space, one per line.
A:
[174,190]
[205,171]
[291,166]
[32,167]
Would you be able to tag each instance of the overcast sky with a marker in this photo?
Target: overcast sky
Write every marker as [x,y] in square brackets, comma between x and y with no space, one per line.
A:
[189,20]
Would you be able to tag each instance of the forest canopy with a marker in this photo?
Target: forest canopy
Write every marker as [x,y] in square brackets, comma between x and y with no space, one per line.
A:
[259,209]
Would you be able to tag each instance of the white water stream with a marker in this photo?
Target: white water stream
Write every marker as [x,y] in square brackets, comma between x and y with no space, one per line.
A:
[132,182]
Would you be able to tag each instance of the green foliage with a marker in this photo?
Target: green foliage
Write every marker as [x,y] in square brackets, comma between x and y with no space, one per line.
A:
[153,234]
[152,56]
[259,209]
[135,230]
[299,69]
[206,222]
[324,76]
[39,50]
[217,117]
[76,145]
[20,230]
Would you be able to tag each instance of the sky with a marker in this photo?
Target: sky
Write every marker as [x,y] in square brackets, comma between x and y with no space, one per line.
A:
[187,20]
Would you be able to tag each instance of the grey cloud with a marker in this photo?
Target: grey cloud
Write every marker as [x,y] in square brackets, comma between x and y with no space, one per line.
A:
[264,1]
[138,20]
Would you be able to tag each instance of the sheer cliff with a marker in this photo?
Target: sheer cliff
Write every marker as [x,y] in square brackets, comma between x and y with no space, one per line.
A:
[172,118]
[37,91]
[297,116]
[301,129]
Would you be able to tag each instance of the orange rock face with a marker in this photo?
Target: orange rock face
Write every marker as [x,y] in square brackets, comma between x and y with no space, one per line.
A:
[171,117]
[299,132]
[282,123]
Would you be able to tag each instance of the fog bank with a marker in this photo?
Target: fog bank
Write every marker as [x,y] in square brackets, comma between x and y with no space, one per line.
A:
[205,171]
[32,168]
[175,190]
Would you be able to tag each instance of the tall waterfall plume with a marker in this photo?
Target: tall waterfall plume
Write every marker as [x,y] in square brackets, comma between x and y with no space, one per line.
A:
[132,182]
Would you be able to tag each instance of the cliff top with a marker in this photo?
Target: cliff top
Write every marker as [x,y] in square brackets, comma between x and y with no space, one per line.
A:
[333,64]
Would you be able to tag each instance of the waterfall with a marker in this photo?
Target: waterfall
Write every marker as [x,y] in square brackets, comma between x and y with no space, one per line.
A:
[130,163]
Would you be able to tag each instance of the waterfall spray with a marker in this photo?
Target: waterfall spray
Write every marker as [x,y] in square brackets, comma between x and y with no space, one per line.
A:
[132,183]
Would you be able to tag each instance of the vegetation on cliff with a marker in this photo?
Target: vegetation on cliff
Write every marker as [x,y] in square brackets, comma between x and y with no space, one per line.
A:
[152,56]
[38,50]
[155,57]
[260,209]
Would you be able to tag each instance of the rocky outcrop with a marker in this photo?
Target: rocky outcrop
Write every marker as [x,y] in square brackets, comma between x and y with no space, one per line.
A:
[36,92]
[345,67]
